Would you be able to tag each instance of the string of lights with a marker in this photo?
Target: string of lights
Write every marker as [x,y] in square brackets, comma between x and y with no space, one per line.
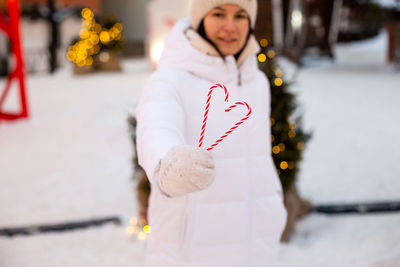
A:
[138,228]
[93,37]
[287,138]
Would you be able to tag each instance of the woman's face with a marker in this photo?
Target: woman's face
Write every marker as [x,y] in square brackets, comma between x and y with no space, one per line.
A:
[227,27]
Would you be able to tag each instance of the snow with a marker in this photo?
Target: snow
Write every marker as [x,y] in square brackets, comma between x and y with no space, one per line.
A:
[351,107]
[72,161]
[388,3]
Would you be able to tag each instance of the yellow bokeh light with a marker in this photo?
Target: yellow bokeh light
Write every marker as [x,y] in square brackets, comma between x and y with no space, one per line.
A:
[84,33]
[82,51]
[130,230]
[91,51]
[262,57]
[71,55]
[293,125]
[97,28]
[276,150]
[300,145]
[118,26]
[85,42]
[92,35]
[134,220]
[96,49]
[142,236]
[104,57]
[271,53]
[264,42]
[284,165]
[87,13]
[279,73]
[291,134]
[282,146]
[104,37]
[147,229]
[80,60]
[86,24]
[80,63]
[81,56]
[272,121]
[89,61]
[278,81]
[272,138]
[94,38]
[90,23]
[113,34]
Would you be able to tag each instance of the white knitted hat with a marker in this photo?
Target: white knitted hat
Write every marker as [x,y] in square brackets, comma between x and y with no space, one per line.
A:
[199,8]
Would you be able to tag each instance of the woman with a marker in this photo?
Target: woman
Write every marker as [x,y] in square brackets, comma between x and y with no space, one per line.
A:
[222,207]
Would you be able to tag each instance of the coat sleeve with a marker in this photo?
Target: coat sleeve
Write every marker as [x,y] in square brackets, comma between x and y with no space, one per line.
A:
[160,123]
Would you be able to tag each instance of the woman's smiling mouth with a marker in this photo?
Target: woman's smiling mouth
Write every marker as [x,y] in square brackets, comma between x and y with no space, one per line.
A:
[227,40]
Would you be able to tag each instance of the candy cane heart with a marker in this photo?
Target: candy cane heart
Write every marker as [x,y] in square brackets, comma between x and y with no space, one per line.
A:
[236,125]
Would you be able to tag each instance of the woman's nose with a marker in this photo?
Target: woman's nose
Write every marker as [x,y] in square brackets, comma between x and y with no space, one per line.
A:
[229,25]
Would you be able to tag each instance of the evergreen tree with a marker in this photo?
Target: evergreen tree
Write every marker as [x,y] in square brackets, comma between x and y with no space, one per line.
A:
[287,137]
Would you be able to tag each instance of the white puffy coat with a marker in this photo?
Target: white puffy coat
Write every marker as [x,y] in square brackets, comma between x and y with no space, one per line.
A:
[238,220]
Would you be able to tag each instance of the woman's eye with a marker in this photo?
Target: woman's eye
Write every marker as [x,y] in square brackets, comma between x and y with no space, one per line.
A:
[241,16]
[218,15]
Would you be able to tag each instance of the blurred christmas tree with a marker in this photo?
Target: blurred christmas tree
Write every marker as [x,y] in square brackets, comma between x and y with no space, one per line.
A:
[96,42]
[143,186]
[287,137]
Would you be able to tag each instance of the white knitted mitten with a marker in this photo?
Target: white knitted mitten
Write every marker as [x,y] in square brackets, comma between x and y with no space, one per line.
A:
[185,169]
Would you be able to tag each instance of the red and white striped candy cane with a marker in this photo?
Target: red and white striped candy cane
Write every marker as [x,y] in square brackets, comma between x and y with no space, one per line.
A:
[228,109]
[235,126]
[203,127]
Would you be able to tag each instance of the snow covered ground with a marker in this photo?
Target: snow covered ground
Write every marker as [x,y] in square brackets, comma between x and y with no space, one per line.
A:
[71,161]
[352,108]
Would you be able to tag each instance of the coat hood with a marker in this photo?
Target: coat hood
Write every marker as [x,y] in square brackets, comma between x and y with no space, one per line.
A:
[184,54]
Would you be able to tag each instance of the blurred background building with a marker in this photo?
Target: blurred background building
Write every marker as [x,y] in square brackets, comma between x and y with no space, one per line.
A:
[293,28]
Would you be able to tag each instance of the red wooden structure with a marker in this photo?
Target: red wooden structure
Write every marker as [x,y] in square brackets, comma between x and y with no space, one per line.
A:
[11,28]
